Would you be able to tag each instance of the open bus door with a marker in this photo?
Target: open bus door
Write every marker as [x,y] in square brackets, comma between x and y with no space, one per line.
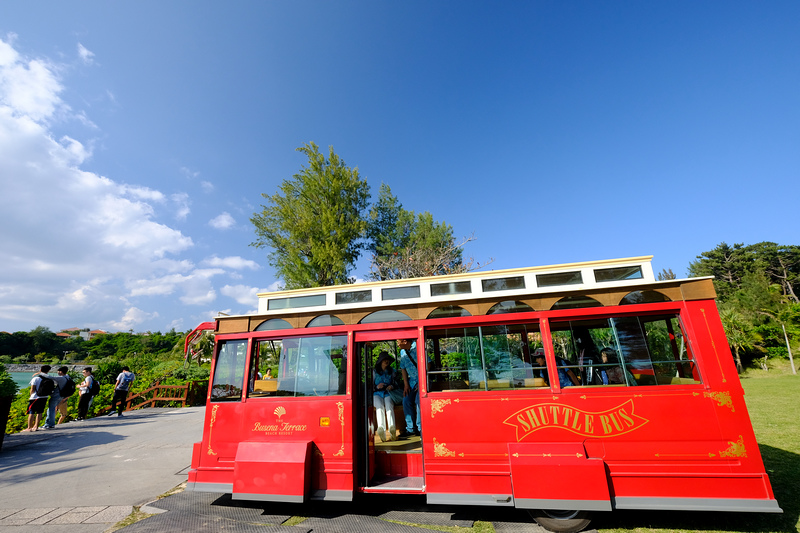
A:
[389,462]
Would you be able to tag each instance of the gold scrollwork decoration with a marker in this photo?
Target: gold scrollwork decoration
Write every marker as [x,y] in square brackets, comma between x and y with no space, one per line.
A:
[736,449]
[437,406]
[340,405]
[210,426]
[440,449]
[723,399]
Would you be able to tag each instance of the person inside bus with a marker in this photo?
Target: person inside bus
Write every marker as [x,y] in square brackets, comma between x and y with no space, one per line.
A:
[613,374]
[408,367]
[566,377]
[588,356]
[381,398]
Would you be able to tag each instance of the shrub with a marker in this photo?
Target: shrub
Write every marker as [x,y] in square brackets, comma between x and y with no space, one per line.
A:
[7,385]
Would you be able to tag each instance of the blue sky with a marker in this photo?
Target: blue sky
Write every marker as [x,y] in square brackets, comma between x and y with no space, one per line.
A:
[136,138]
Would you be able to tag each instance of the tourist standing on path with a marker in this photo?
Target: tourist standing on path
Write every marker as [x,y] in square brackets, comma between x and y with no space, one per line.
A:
[55,399]
[66,390]
[86,393]
[41,387]
[123,385]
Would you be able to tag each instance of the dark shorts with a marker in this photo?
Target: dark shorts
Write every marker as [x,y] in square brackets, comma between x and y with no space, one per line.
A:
[37,406]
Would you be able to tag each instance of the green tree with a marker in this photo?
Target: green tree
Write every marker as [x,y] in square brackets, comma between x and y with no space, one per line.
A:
[781,264]
[666,274]
[728,264]
[740,333]
[389,226]
[316,224]
[408,245]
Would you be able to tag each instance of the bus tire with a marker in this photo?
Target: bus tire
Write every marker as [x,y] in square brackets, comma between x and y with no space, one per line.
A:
[560,521]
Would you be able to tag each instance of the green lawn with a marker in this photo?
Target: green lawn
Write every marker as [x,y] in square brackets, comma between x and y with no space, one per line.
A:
[772,399]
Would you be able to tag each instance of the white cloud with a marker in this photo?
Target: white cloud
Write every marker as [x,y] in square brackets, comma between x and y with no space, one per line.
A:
[234,262]
[182,202]
[132,318]
[86,56]
[223,221]
[75,241]
[207,186]
[241,293]
[197,298]
[189,173]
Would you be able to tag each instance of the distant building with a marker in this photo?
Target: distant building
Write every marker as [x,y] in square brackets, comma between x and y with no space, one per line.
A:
[83,333]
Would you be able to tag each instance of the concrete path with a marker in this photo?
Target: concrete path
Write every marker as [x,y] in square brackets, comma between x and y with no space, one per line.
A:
[86,476]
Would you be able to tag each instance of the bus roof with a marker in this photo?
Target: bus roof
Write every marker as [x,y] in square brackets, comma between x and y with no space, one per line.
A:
[588,283]
[569,277]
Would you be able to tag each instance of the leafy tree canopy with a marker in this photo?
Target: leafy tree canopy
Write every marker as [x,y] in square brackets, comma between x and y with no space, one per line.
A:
[408,245]
[315,224]
[757,287]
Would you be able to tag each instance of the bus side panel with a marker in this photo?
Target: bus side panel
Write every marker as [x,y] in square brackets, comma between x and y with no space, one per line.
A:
[461,467]
[214,457]
[324,422]
[558,475]
[655,442]
[727,396]
[273,471]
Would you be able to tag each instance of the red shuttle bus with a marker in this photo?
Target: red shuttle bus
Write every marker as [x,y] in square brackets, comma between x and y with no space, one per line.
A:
[563,390]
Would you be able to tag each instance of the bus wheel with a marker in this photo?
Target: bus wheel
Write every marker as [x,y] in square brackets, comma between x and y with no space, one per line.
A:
[561,521]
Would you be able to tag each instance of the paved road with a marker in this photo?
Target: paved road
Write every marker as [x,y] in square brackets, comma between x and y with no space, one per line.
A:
[83,477]
[86,476]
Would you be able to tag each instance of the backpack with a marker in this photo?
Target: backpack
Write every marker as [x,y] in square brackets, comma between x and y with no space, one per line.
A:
[125,382]
[46,386]
[94,390]
[68,389]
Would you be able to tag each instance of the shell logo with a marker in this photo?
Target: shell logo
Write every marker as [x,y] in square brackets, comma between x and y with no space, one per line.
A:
[279,412]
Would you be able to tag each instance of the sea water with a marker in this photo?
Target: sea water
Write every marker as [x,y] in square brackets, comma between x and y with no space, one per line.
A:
[22,379]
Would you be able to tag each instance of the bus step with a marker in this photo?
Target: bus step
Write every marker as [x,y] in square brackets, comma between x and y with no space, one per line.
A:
[405,484]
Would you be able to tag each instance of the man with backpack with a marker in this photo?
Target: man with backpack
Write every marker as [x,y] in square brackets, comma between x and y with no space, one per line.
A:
[121,388]
[66,388]
[42,386]
[89,388]
[55,399]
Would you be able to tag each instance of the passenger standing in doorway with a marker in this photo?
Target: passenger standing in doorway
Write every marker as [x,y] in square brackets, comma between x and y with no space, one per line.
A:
[383,382]
[123,385]
[408,367]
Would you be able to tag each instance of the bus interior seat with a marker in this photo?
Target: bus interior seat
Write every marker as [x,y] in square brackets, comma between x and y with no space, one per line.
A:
[265,385]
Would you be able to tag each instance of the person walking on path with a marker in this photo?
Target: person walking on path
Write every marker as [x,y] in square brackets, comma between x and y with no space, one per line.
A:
[55,399]
[86,393]
[40,391]
[121,388]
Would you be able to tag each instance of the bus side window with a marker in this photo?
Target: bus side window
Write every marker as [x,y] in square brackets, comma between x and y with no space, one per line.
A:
[229,371]
[630,350]
[672,360]
[261,380]
[496,357]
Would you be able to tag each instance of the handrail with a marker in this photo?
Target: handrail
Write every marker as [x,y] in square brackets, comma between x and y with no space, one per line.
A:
[161,393]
